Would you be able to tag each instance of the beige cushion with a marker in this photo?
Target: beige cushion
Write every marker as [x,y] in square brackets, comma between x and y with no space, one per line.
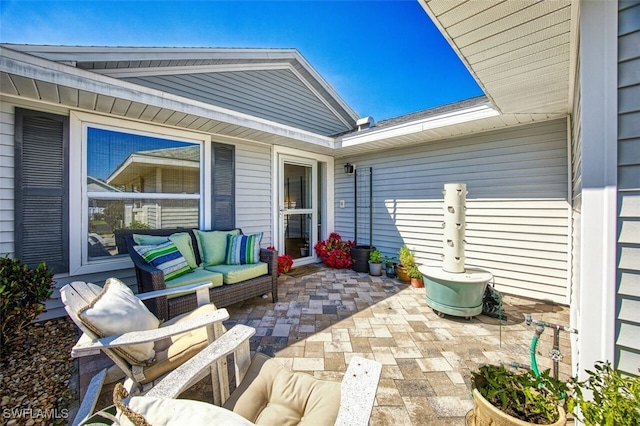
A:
[178,412]
[116,310]
[281,397]
[176,350]
[237,273]
[213,245]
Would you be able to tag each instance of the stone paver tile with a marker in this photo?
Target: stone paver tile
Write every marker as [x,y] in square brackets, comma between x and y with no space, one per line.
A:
[452,358]
[360,344]
[419,410]
[291,351]
[334,361]
[285,361]
[314,349]
[387,393]
[381,331]
[385,342]
[399,328]
[389,416]
[308,364]
[442,334]
[437,323]
[349,355]
[340,334]
[409,368]
[361,332]
[391,372]
[320,337]
[434,364]
[443,386]
[281,330]
[451,406]
[403,340]
[338,347]
[456,377]
[415,387]
[406,353]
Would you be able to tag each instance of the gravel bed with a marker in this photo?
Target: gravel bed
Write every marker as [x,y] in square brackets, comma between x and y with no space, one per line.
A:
[39,379]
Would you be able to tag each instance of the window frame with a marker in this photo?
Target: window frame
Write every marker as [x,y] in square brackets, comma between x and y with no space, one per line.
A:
[79,197]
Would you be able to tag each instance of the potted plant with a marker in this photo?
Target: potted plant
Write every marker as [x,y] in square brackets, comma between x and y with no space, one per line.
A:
[375,263]
[416,276]
[406,261]
[390,264]
[615,399]
[507,397]
[334,251]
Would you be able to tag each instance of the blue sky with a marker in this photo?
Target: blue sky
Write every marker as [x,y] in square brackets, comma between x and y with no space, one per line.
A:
[384,58]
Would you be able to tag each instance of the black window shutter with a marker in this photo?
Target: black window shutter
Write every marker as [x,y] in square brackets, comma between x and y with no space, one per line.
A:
[42,189]
[223,187]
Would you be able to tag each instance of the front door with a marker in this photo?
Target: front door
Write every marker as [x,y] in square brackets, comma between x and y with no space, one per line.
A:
[298,218]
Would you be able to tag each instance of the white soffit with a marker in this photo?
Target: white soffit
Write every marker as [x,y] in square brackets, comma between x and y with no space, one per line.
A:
[518,51]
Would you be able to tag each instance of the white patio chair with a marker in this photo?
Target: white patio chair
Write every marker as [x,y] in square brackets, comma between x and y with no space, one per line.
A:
[98,311]
[265,394]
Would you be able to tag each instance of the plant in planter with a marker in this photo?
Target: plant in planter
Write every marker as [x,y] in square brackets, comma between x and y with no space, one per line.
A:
[615,399]
[406,261]
[507,397]
[390,264]
[334,252]
[375,263]
[416,276]
[285,262]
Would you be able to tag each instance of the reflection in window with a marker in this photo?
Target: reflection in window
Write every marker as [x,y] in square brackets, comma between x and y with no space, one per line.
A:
[138,182]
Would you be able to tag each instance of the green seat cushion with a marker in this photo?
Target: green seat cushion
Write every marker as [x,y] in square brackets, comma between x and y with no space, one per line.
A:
[213,245]
[182,240]
[237,273]
[196,276]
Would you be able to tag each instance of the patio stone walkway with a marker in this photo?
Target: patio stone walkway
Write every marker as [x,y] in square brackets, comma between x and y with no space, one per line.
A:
[324,319]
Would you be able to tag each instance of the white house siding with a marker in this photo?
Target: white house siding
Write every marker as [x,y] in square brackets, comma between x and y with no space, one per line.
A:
[276,95]
[253,190]
[628,296]
[517,206]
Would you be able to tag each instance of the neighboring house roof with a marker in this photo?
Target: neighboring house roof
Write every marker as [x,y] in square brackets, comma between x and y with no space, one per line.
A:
[143,162]
[96,185]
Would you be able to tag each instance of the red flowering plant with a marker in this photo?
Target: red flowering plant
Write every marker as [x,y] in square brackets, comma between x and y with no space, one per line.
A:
[334,252]
[285,262]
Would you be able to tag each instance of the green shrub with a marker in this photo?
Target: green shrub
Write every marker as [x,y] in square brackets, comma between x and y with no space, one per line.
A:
[614,400]
[23,292]
[375,256]
[406,257]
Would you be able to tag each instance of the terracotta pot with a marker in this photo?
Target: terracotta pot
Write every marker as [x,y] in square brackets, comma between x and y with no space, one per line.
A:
[402,274]
[486,414]
[417,282]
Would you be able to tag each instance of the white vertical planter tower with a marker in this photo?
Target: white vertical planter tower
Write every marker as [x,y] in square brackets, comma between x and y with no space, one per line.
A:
[455,205]
[455,289]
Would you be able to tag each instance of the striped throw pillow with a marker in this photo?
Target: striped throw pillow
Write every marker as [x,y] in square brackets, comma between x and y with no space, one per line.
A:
[243,249]
[165,257]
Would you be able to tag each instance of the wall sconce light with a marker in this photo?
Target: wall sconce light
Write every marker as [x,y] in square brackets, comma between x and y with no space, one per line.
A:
[349,168]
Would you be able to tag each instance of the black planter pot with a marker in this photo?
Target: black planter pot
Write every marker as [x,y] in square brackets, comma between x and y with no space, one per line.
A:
[391,270]
[360,256]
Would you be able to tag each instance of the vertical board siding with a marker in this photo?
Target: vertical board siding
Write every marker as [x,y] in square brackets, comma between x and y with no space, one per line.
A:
[517,206]
[628,295]
[253,190]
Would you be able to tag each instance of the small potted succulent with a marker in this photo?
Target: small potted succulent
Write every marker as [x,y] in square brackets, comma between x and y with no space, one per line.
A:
[375,263]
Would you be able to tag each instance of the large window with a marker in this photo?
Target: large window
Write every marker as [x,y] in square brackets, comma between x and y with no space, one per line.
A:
[134,177]
[138,182]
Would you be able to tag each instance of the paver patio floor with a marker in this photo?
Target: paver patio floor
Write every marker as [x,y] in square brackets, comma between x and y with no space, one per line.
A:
[323,319]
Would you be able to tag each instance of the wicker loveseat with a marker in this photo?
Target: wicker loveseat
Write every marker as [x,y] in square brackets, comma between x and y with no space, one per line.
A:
[229,287]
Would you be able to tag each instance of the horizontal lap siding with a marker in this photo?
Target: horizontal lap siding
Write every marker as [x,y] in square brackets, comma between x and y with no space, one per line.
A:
[517,206]
[628,296]
[7,228]
[253,190]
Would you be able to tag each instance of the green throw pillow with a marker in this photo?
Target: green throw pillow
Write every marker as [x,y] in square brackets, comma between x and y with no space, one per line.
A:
[243,249]
[182,240]
[213,245]
[149,240]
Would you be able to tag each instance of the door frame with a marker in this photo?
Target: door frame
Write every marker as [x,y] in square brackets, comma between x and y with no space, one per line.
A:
[327,196]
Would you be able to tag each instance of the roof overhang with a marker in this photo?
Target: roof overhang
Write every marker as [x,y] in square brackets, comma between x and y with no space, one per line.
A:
[34,78]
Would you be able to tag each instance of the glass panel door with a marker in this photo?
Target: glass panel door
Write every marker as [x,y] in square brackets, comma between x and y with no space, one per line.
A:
[297,219]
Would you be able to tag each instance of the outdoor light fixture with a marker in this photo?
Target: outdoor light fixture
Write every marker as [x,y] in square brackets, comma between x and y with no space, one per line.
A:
[349,168]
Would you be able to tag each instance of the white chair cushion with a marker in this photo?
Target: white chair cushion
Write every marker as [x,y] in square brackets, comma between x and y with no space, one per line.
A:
[116,310]
[179,412]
